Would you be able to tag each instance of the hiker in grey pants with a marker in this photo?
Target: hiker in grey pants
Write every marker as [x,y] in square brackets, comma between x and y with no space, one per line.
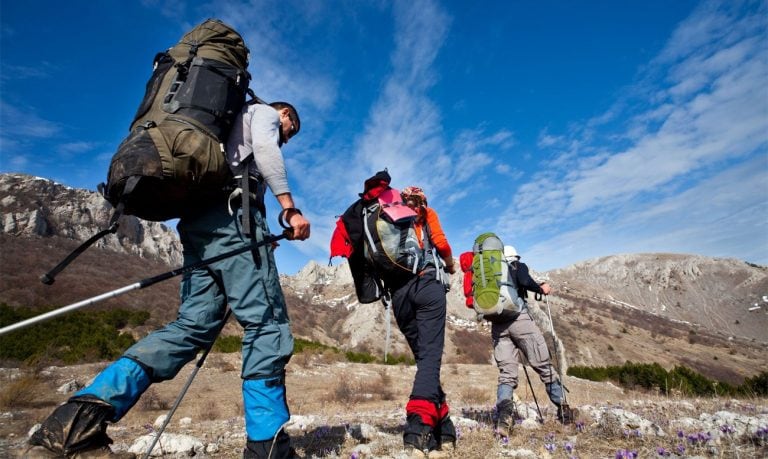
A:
[522,335]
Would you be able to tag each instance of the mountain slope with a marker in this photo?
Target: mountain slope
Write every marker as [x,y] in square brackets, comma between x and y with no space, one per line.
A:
[666,308]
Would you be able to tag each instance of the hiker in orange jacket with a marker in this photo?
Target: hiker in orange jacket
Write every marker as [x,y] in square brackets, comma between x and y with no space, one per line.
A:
[427,219]
[419,305]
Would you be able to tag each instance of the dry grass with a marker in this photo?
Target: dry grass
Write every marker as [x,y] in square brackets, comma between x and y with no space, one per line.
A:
[22,392]
[343,396]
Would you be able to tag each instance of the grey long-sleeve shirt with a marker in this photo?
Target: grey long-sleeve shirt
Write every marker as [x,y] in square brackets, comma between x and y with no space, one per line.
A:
[256,131]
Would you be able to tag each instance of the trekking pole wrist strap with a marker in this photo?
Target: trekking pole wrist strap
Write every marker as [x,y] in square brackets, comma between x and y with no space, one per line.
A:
[283,217]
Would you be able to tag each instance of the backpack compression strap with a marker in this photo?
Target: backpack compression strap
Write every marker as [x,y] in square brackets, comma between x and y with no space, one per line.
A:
[50,277]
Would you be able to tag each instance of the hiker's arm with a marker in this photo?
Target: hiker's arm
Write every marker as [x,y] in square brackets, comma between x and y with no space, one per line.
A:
[525,280]
[298,223]
[265,135]
[439,240]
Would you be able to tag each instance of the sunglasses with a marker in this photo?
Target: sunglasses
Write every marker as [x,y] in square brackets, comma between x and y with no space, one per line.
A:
[294,123]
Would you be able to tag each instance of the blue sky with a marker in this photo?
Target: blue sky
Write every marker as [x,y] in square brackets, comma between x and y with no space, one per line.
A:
[574,130]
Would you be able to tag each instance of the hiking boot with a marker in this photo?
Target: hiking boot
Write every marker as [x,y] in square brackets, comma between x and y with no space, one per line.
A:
[506,417]
[417,437]
[566,415]
[280,448]
[78,425]
[445,435]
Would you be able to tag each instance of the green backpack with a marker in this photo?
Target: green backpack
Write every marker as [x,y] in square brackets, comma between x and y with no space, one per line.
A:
[494,289]
[173,159]
[174,155]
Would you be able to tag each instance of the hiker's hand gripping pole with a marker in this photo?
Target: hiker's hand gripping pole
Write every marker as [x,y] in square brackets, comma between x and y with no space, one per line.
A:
[144,283]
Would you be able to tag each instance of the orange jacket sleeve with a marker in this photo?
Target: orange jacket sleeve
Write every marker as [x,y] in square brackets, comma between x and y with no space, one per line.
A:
[438,236]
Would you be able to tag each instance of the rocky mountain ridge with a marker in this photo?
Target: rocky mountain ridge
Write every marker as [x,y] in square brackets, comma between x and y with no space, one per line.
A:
[705,313]
[34,206]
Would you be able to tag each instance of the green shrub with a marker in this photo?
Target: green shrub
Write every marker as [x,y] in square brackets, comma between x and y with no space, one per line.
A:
[301,345]
[397,359]
[683,379]
[755,386]
[73,338]
[359,357]
[228,344]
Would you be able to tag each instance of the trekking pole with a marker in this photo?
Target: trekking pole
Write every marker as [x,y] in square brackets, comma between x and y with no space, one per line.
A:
[541,417]
[143,283]
[557,354]
[186,386]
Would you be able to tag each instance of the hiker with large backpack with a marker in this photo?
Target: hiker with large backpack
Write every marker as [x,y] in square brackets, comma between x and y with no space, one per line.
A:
[398,253]
[246,284]
[499,293]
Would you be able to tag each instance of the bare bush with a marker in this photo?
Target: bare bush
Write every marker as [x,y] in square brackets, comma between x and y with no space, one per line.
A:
[220,362]
[151,401]
[209,410]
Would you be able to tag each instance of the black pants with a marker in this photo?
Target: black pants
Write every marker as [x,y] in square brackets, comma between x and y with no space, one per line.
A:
[419,307]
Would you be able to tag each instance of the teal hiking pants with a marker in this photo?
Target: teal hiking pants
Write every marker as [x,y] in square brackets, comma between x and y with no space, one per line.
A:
[254,295]
[252,292]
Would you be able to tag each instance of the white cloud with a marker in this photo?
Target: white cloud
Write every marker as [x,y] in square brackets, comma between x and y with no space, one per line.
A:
[403,131]
[647,195]
[70,149]
[24,122]
[682,135]
[724,215]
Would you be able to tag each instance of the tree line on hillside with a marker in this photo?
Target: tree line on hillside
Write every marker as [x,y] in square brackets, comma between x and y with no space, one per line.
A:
[680,380]
[93,336]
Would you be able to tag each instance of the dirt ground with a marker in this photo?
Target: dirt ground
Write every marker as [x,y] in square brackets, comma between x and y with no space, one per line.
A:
[336,395]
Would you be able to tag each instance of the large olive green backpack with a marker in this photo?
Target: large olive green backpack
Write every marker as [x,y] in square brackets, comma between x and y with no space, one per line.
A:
[494,290]
[173,159]
[174,156]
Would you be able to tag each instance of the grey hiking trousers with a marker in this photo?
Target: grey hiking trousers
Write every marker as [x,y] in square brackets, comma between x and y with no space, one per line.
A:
[512,338]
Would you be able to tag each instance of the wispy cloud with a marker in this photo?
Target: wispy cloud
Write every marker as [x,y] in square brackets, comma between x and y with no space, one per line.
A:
[403,131]
[70,149]
[702,116]
[24,122]
[726,214]
[41,70]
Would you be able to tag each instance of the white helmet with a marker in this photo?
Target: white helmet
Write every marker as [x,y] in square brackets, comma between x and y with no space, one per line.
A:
[510,253]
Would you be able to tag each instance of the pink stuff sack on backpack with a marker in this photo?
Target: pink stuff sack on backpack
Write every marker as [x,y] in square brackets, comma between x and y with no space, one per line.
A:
[392,204]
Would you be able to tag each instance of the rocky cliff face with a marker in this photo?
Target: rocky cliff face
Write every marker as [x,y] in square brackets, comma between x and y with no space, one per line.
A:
[34,206]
